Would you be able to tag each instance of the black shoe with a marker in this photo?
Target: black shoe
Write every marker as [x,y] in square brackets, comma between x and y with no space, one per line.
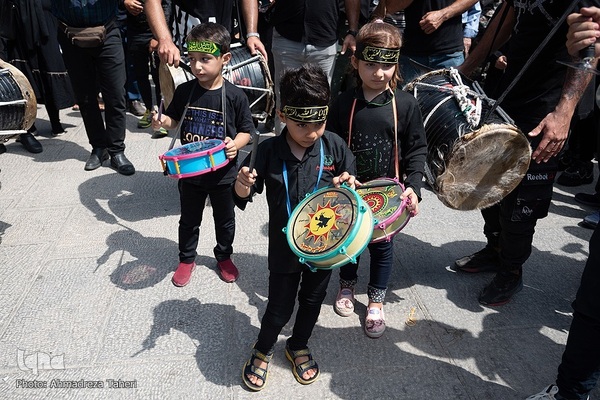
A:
[485,260]
[122,164]
[137,108]
[57,129]
[588,199]
[581,173]
[501,289]
[2,148]
[30,143]
[97,156]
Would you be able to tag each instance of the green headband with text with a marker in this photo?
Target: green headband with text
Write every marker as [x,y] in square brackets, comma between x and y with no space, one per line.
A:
[379,55]
[204,46]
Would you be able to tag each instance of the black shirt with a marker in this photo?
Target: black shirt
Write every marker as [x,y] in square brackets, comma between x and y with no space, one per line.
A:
[447,39]
[204,120]
[221,10]
[540,87]
[315,20]
[373,135]
[302,177]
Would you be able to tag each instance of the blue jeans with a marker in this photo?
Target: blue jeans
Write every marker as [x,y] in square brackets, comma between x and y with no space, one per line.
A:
[382,261]
[579,370]
[437,61]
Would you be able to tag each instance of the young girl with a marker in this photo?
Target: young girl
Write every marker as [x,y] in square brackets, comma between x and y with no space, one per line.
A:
[372,118]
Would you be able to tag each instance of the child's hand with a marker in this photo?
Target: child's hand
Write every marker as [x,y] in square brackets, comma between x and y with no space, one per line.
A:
[230,148]
[350,180]
[244,181]
[156,124]
[413,201]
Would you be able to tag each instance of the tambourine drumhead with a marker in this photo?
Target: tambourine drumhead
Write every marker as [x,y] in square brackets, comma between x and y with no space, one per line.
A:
[330,228]
[19,105]
[171,77]
[483,167]
[389,210]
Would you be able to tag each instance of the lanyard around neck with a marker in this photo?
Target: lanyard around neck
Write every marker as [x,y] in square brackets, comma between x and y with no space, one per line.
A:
[286,182]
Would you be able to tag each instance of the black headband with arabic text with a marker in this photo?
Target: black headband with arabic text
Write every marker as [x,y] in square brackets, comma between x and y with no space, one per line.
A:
[374,54]
[306,114]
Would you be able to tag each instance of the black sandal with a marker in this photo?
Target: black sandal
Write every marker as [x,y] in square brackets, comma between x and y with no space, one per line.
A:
[251,369]
[299,370]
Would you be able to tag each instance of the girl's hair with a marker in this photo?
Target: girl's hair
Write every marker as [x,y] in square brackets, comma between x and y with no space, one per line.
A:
[213,32]
[380,34]
[306,86]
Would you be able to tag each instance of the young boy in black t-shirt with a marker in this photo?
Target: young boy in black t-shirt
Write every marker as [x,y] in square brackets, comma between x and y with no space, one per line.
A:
[205,118]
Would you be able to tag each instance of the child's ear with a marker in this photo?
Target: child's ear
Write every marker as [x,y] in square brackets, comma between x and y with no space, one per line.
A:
[354,61]
[281,116]
[226,58]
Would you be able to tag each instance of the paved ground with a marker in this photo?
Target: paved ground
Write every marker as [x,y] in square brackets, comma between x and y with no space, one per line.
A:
[87,257]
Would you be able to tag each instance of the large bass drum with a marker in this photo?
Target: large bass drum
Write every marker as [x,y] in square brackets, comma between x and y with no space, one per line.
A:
[469,167]
[18,106]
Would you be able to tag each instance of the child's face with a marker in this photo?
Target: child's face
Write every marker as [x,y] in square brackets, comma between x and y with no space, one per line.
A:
[305,134]
[206,67]
[375,76]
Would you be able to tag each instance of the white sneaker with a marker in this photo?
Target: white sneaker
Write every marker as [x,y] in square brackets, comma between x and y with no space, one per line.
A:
[546,394]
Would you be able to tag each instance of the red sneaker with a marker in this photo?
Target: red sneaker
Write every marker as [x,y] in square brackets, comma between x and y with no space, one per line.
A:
[229,273]
[183,274]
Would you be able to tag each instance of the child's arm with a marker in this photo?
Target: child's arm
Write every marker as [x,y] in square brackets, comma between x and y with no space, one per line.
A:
[232,145]
[244,182]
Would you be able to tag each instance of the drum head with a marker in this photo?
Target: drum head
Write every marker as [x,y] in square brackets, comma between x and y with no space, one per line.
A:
[483,167]
[171,77]
[322,222]
[384,200]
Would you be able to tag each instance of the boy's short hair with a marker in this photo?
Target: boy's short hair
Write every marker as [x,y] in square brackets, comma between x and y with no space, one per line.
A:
[213,32]
[306,86]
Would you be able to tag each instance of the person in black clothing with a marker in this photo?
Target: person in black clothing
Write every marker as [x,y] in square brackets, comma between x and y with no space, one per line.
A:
[210,115]
[33,48]
[379,139]
[303,158]
[104,63]
[579,369]
[542,105]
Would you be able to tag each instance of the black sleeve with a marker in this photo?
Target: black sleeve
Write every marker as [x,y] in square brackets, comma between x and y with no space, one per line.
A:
[413,146]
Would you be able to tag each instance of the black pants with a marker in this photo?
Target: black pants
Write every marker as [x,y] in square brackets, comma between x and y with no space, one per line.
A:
[106,66]
[510,224]
[579,370]
[144,63]
[282,298]
[193,199]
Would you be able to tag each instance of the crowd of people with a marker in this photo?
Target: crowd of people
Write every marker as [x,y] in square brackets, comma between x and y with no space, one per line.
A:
[374,129]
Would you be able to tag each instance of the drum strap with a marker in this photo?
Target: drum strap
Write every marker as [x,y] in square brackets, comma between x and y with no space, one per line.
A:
[285,178]
[395,112]
[187,105]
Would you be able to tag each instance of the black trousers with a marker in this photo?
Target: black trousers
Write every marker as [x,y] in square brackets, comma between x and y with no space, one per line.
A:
[282,298]
[579,370]
[144,63]
[193,200]
[100,67]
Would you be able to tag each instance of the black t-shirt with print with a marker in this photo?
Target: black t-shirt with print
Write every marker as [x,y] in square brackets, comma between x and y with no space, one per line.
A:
[204,120]
[302,177]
